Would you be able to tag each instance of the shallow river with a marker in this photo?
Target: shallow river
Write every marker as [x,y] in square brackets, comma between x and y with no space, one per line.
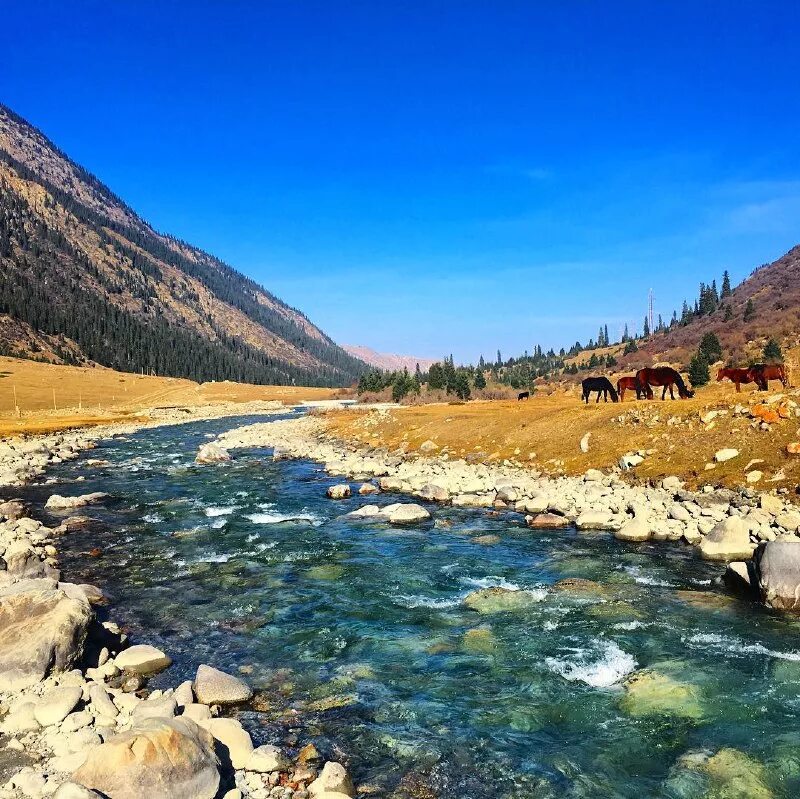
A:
[360,638]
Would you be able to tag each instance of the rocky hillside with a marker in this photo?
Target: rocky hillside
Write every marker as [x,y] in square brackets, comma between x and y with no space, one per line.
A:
[83,278]
[773,290]
[387,360]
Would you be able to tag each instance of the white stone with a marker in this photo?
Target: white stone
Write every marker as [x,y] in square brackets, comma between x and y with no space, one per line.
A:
[142,659]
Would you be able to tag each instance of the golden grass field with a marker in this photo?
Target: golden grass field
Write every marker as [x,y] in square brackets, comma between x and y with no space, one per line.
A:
[546,431]
[51,397]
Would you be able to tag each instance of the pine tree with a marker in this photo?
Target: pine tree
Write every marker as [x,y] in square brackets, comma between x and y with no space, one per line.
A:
[625,334]
[749,311]
[726,285]
[698,370]
[605,335]
[436,380]
[480,380]
[728,315]
[710,348]
[461,385]
[646,328]
[772,352]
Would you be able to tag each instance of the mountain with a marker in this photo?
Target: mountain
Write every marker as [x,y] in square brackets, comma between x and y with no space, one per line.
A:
[387,360]
[773,290]
[84,279]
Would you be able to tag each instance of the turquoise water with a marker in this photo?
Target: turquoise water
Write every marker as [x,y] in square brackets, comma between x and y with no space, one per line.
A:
[360,639]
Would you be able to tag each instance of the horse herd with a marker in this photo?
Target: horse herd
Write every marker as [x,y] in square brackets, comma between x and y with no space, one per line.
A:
[664,376]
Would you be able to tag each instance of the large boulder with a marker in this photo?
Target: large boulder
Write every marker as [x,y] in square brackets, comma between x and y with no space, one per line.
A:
[405,513]
[728,540]
[777,567]
[635,529]
[233,740]
[340,491]
[650,693]
[215,687]
[57,704]
[156,757]
[42,630]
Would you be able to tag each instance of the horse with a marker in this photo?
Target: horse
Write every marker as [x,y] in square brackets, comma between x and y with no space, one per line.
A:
[523,395]
[662,376]
[736,376]
[628,384]
[762,373]
[602,385]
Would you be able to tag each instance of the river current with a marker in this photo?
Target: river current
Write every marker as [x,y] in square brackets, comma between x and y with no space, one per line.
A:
[359,637]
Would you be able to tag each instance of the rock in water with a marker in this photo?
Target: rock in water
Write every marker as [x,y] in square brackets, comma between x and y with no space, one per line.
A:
[405,513]
[42,630]
[547,521]
[341,491]
[57,502]
[215,687]
[498,600]
[635,529]
[649,693]
[333,779]
[212,453]
[728,540]
[142,659]
[777,567]
[156,757]
[740,578]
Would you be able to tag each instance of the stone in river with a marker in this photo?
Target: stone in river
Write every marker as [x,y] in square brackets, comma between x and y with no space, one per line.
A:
[736,775]
[728,540]
[156,757]
[547,521]
[405,513]
[142,659]
[333,779]
[267,758]
[635,529]
[341,491]
[233,739]
[777,567]
[498,600]
[215,687]
[57,502]
[650,693]
[212,453]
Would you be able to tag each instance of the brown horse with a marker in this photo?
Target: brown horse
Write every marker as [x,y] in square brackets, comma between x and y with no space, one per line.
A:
[736,376]
[662,376]
[762,373]
[628,384]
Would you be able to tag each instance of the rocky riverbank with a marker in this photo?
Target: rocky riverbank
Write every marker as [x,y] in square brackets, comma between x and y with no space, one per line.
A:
[723,524]
[76,717]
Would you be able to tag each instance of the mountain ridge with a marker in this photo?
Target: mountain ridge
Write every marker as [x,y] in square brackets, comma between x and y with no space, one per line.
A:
[150,292]
[388,361]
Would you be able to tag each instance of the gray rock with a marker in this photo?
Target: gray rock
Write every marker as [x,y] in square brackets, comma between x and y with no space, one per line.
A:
[215,687]
[267,758]
[142,659]
[212,453]
[57,704]
[101,702]
[728,540]
[433,493]
[777,567]
[71,790]
[740,578]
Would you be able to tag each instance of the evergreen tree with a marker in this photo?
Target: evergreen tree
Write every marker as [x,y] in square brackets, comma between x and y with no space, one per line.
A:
[646,328]
[605,335]
[749,311]
[461,385]
[710,348]
[728,315]
[726,285]
[480,380]
[772,352]
[630,347]
[698,370]
[436,380]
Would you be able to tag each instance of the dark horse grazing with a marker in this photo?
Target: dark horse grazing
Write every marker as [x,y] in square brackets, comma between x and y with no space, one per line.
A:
[628,384]
[762,373]
[736,376]
[602,385]
[523,395]
[662,376]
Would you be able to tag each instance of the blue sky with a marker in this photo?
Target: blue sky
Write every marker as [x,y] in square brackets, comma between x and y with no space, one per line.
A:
[429,177]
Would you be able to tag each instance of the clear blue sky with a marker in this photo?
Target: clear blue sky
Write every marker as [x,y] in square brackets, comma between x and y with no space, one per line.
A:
[428,177]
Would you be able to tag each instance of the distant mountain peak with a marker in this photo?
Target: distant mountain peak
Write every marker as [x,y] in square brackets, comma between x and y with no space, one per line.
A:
[387,360]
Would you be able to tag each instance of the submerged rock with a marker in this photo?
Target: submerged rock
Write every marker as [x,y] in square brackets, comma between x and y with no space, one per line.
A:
[333,781]
[499,600]
[649,693]
[735,775]
[156,757]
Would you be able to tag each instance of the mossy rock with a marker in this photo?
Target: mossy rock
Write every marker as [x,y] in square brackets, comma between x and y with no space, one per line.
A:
[480,640]
[329,571]
[649,693]
[332,703]
[735,775]
[616,609]
[580,586]
[707,600]
[498,600]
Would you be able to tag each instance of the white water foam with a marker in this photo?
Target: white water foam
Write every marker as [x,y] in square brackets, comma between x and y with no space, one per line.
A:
[218,524]
[428,602]
[277,518]
[152,518]
[730,645]
[490,581]
[220,510]
[614,664]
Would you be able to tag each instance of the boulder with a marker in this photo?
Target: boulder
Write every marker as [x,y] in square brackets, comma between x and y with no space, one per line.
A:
[584,444]
[142,659]
[547,521]
[42,630]
[57,704]
[630,461]
[498,600]
[23,562]
[57,502]
[12,509]
[156,757]
[71,790]
[594,520]
[215,687]
[267,758]
[341,491]
[789,519]
[101,702]
[650,693]
[771,504]
[332,779]
[433,493]
[368,488]
[777,571]
[672,483]
[740,578]
[233,740]
[428,446]
[728,540]
[405,513]
[212,453]
[635,529]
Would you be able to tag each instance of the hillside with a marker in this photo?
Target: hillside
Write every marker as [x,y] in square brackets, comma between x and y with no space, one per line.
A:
[773,289]
[388,360]
[83,278]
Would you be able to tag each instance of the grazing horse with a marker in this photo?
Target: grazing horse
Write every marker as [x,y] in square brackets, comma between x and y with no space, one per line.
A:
[523,395]
[762,373]
[628,384]
[736,376]
[662,376]
[602,385]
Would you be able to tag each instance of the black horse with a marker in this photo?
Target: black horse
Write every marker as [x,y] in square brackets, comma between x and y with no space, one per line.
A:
[524,395]
[602,385]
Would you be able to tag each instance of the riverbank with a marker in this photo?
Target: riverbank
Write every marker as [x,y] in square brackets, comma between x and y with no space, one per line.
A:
[75,711]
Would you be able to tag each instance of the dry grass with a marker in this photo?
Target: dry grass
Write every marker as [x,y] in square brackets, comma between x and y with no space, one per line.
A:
[545,432]
[51,397]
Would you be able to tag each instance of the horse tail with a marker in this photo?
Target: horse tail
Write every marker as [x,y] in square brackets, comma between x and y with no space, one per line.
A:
[682,390]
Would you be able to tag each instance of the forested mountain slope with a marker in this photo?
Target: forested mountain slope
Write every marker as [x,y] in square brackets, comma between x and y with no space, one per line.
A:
[83,278]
